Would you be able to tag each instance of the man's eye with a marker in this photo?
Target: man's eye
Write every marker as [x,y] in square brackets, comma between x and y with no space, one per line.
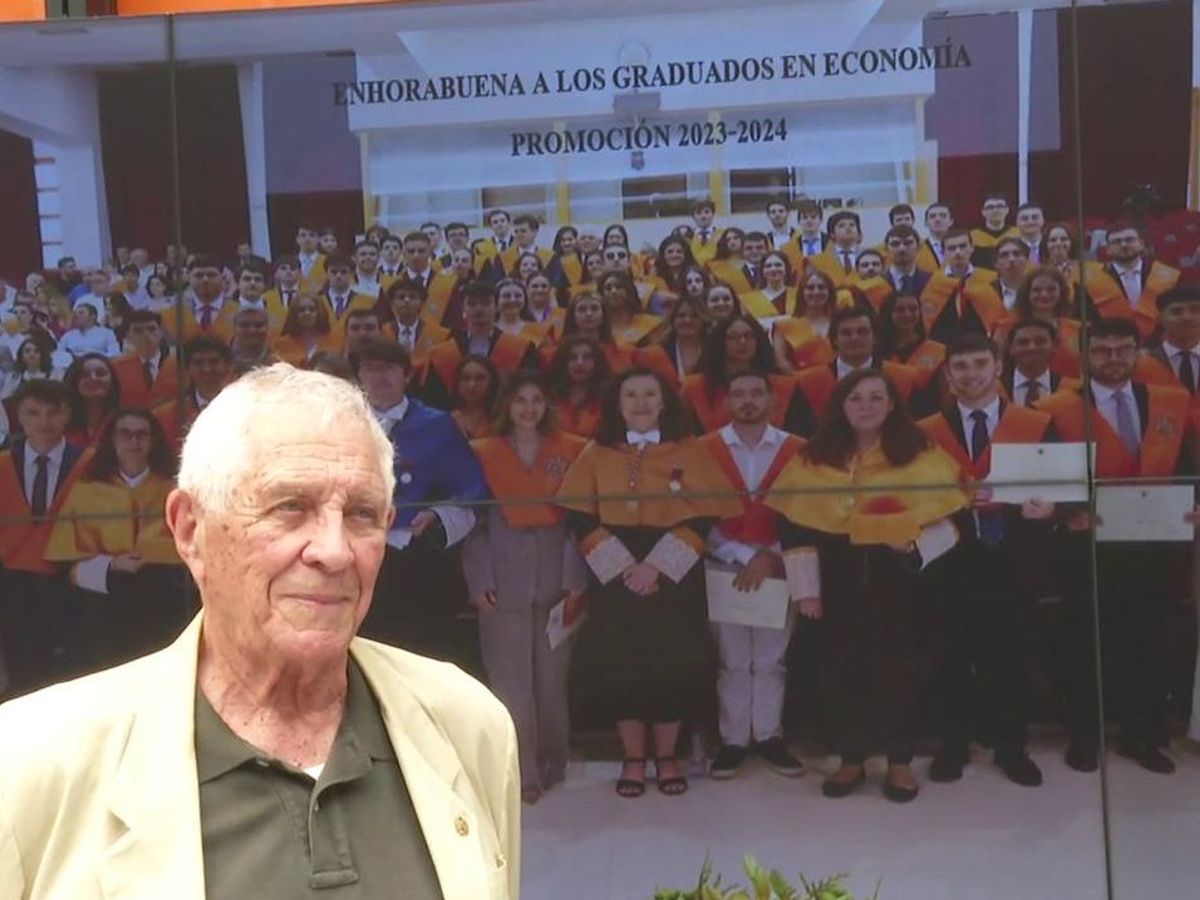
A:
[290,506]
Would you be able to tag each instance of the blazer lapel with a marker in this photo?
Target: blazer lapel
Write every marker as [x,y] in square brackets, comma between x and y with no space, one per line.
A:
[155,794]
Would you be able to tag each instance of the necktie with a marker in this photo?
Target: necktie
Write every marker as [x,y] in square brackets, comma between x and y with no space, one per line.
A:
[206,316]
[287,299]
[846,266]
[339,306]
[406,336]
[1033,392]
[704,237]
[41,486]
[1187,374]
[1127,429]
[752,275]
[979,434]
[148,373]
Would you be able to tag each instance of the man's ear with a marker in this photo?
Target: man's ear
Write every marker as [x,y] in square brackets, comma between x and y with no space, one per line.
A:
[182,516]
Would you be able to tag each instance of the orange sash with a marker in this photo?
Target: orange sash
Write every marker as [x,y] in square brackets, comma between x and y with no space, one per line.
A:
[756,524]
[977,291]
[713,412]
[1109,297]
[926,359]
[656,358]
[1162,438]
[515,485]
[582,421]
[23,544]
[759,305]
[1017,425]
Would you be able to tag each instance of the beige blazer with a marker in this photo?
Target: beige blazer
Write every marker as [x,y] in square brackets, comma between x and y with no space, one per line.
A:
[99,797]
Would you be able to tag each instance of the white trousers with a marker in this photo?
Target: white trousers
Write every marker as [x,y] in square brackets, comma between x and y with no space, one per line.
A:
[750,681]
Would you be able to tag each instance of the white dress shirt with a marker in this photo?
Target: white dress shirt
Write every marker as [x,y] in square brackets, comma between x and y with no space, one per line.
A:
[1107,405]
[1021,386]
[1175,356]
[991,411]
[812,245]
[1131,280]
[844,368]
[752,463]
[53,468]
[938,253]
[307,261]
[1008,295]
[406,335]
[389,417]
[779,239]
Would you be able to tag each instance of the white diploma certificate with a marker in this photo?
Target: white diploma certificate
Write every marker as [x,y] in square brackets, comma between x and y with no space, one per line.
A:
[1015,465]
[765,608]
[558,629]
[1144,512]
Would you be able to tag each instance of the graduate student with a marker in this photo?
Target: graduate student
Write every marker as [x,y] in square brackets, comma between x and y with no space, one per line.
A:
[633,501]
[854,564]
[519,562]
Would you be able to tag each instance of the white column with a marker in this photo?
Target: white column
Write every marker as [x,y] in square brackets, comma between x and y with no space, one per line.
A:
[1024,88]
[250,96]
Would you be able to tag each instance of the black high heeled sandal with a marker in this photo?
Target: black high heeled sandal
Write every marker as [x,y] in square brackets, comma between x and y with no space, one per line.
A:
[630,788]
[672,787]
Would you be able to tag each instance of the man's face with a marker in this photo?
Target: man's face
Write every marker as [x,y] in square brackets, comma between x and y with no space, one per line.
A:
[869,265]
[616,258]
[340,279]
[140,257]
[810,224]
[588,242]
[328,244]
[903,250]
[749,400]
[1112,359]
[384,383]
[958,251]
[206,283]
[777,213]
[458,238]
[1181,324]
[1011,263]
[1125,246]
[1031,349]
[391,252]
[500,224]
[434,234]
[703,217]
[416,255]
[366,258]
[1030,222]
[972,376]
[251,284]
[306,240]
[481,311]
[243,250]
[524,234]
[406,306]
[855,340]
[98,282]
[903,218]
[754,250]
[84,315]
[845,233]
[68,270]
[145,337]
[287,573]
[287,275]
[250,329]
[995,213]
[208,372]
[463,262]
[43,423]
[938,220]
[362,328]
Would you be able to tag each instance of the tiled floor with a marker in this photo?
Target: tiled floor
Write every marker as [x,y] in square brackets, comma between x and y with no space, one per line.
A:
[982,838]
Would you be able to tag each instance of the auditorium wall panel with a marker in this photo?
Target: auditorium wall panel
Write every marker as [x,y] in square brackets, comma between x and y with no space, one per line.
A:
[20,245]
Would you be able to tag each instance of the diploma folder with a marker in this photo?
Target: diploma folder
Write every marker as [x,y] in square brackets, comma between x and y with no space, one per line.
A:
[1142,513]
[767,607]
[1014,465]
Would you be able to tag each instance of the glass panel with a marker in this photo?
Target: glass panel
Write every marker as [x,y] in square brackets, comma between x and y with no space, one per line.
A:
[1141,234]
[88,573]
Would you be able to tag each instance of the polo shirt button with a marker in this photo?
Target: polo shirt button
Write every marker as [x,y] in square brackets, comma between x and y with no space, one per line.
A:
[461,826]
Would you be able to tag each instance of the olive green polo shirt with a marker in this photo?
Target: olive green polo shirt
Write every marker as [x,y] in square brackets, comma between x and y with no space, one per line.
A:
[270,831]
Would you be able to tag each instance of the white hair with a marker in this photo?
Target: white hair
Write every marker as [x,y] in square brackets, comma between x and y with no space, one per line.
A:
[219,450]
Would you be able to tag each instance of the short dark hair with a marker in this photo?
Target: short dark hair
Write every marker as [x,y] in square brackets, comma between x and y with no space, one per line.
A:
[475,289]
[382,351]
[855,310]
[1181,293]
[205,343]
[338,261]
[143,316]
[956,231]
[843,215]
[44,390]
[492,213]
[807,207]
[287,259]
[938,204]
[205,261]
[456,226]
[63,260]
[404,286]
[1115,328]
[1041,324]
[526,219]
[252,266]
[1021,246]
[972,342]
[899,209]
[903,232]
[1029,204]
[361,244]
[702,204]
[776,201]
[415,237]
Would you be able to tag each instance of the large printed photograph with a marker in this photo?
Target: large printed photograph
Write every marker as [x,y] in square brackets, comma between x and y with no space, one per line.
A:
[776,389]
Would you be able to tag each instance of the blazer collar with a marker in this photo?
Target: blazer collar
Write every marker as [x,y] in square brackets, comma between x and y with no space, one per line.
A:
[156,796]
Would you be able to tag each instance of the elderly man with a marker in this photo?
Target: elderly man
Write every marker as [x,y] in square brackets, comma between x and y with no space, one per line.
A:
[267,752]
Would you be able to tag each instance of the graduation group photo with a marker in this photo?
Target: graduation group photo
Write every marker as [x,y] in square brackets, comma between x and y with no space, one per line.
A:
[792,411]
